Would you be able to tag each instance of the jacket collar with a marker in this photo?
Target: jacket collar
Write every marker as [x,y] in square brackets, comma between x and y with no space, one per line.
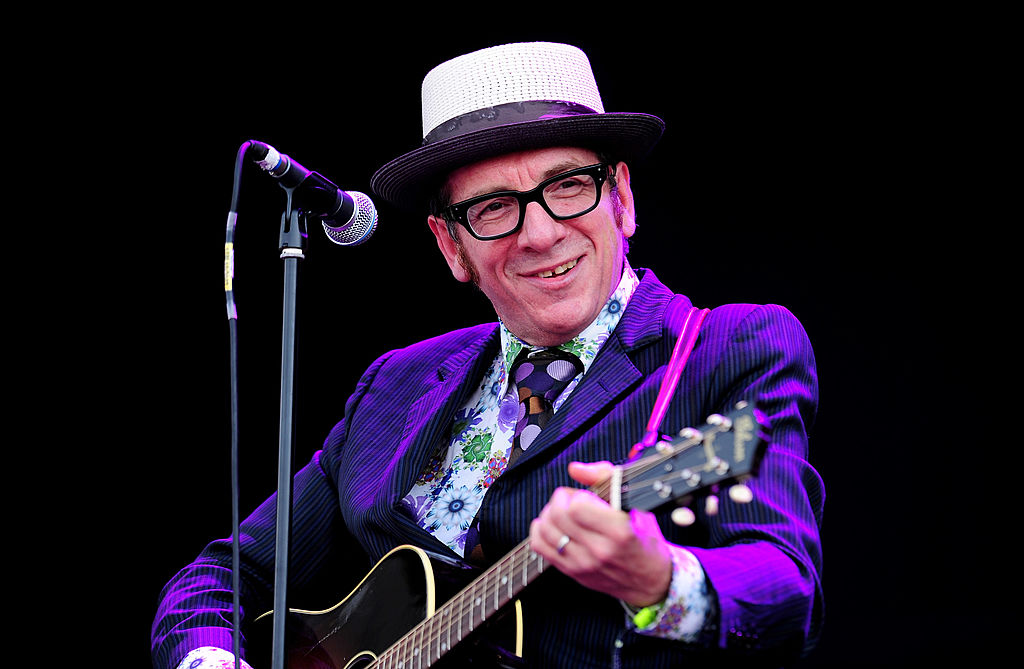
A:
[644,318]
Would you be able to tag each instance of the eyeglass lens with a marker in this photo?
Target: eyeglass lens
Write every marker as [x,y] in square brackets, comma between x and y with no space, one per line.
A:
[565,197]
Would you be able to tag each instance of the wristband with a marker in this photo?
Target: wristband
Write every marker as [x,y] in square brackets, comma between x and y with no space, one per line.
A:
[646,616]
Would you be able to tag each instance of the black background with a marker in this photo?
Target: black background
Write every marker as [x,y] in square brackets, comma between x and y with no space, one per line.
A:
[805,167]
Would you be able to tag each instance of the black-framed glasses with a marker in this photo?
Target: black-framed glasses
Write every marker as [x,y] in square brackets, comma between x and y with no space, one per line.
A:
[564,196]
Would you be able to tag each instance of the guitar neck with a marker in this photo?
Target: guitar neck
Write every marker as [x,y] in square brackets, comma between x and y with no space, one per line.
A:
[498,585]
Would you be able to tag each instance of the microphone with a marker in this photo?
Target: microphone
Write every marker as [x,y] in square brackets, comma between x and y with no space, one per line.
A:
[349,217]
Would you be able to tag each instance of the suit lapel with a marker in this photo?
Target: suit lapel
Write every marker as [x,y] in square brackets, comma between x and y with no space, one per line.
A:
[428,420]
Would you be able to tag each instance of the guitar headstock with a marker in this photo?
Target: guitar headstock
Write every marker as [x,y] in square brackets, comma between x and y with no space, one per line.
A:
[698,463]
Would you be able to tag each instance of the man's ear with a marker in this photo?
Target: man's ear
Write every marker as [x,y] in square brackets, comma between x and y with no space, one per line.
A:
[626,199]
[449,248]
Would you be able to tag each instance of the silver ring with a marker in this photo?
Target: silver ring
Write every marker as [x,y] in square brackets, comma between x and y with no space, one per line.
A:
[562,543]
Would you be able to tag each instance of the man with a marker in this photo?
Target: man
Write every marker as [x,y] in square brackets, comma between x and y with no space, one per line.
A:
[527,181]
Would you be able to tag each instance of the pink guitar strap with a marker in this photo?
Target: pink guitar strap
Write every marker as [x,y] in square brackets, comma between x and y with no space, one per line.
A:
[681,352]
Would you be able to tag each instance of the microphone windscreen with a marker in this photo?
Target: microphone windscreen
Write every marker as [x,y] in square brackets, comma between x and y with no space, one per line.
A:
[359,227]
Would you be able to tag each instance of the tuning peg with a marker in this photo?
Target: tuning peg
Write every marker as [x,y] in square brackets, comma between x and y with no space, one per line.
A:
[719,419]
[690,434]
[683,516]
[711,505]
[740,493]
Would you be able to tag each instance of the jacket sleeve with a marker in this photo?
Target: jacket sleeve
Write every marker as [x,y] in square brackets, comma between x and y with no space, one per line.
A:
[763,559]
[195,606]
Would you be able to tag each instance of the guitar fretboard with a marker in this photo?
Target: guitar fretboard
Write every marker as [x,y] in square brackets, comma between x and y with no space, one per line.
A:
[430,640]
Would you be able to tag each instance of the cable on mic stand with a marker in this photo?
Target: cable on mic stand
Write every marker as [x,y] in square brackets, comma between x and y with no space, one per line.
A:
[229,274]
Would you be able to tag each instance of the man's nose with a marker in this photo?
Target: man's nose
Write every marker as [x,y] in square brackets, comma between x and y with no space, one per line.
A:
[539,231]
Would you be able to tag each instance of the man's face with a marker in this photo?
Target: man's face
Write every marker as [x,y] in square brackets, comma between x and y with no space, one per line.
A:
[585,254]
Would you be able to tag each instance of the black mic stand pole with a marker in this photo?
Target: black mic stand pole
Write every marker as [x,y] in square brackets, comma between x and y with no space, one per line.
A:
[293,232]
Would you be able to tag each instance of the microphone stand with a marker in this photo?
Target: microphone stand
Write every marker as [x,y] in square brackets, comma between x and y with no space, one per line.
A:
[292,236]
[293,233]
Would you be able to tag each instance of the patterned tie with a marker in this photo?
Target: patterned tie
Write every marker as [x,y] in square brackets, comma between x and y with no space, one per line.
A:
[540,377]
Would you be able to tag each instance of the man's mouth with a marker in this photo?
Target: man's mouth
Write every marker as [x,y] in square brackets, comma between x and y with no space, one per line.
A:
[558,271]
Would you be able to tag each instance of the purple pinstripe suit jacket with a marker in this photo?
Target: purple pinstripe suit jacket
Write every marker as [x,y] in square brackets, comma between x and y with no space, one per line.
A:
[762,559]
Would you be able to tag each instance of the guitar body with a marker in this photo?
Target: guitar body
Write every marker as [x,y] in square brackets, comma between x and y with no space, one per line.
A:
[402,590]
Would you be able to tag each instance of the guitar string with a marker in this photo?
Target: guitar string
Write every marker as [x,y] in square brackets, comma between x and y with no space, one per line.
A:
[652,461]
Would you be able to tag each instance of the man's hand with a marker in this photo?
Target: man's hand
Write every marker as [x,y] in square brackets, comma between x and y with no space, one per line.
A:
[621,554]
[209,657]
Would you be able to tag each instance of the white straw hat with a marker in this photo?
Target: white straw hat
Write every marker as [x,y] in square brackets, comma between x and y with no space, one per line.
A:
[509,98]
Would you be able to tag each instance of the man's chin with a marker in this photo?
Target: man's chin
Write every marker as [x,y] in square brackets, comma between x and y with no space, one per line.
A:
[552,329]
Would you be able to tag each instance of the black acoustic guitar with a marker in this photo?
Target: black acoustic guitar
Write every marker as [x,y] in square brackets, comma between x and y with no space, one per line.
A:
[401,617]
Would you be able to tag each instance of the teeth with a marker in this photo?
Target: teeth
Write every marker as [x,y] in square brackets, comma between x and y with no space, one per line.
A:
[561,269]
